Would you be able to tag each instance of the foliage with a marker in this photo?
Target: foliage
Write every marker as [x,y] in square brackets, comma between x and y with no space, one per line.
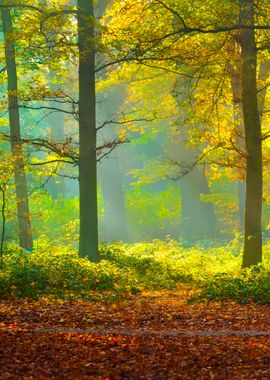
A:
[153,335]
[153,213]
[170,80]
[55,218]
[250,285]
[129,269]
[59,272]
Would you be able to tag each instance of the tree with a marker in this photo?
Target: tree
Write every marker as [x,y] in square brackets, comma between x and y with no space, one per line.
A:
[87,132]
[234,71]
[200,35]
[109,170]
[197,216]
[253,138]
[24,223]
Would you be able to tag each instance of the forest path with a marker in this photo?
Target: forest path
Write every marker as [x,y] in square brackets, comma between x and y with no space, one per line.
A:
[155,332]
[155,335]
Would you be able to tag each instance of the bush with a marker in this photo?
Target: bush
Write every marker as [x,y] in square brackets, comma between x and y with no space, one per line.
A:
[61,273]
[127,269]
[249,285]
[150,267]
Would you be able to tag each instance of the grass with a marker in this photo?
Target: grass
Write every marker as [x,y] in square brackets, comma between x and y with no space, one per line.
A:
[128,269]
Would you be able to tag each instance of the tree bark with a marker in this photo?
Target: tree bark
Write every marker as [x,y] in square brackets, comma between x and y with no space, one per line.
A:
[88,246]
[24,223]
[235,72]
[241,192]
[190,207]
[56,122]
[262,78]
[114,200]
[198,220]
[109,170]
[254,180]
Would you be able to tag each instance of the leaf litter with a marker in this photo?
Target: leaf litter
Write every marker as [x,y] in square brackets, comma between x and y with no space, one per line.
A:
[154,335]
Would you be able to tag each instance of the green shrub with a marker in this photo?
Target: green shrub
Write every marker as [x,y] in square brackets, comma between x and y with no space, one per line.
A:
[249,285]
[127,269]
[60,273]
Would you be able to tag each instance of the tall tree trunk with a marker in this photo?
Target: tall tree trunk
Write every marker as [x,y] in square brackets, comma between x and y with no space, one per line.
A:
[235,72]
[114,202]
[241,192]
[207,211]
[198,220]
[109,170]
[263,75]
[25,232]
[254,182]
[87,133]
[56,122]
[190,207]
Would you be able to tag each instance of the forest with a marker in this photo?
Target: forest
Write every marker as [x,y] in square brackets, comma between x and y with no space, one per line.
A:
[134,189]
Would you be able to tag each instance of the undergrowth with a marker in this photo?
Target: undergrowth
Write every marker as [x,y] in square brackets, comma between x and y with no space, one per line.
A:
[57,271]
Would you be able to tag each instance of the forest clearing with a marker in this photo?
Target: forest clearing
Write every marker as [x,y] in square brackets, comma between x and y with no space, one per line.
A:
[134,189]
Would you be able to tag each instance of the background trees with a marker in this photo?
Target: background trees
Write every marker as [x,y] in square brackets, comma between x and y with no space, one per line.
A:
[169,82]
[209,34]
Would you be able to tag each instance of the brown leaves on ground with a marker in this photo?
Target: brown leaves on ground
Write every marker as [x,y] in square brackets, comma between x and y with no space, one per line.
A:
[156,335]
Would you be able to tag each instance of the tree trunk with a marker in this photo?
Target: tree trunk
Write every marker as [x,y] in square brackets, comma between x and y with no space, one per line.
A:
[24,223]
[114,201]
[109,171]
[241,192]
[207,215]
[56,122]
[262,90]
[235,72]
[87,133]
[198,220]
[253,203]
[190,209]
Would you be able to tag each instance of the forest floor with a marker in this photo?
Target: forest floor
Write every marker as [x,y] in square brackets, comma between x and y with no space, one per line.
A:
[153,335]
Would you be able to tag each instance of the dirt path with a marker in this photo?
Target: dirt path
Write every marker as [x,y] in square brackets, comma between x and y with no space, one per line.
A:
[220,333]
[150,336]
